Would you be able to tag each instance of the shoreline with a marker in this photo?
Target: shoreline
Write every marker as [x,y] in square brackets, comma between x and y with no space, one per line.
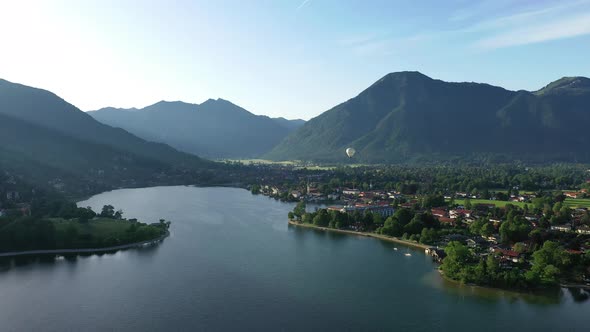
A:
[424,246]
[373,235]
[84,250]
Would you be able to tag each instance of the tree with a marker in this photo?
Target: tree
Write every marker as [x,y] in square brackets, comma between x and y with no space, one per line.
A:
[514,229]
[434,200]
[377,219]
[415,226]
[455,264]
[299,210]
[487,229]
[467,203]
[546,264]
[85,214]
[70,236]
[480,274]
[108,211]
[428,235]
[322,218]
[404,216]
[256,189]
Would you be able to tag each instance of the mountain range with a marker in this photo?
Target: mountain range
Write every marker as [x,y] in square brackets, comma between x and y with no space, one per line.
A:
[47,140]
[408,116]
[213,129]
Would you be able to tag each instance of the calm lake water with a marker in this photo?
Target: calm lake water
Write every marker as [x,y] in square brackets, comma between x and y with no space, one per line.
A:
[233,263]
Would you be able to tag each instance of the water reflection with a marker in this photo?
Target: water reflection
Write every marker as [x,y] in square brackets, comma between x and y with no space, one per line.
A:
[578,294]
[9,263]
[544,297]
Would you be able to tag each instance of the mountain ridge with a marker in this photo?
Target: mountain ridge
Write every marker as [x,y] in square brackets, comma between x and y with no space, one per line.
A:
[408,115]
[45,138]
[216,128]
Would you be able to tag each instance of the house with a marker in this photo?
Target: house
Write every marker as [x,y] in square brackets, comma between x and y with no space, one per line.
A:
[456,237]
[383,210]
[295,194]
[583,230]
[333,196]
[352,192]
[438,212]
[12,195]
[573,194]
[562,228]
[507,254]
[494,239]
[446,220]
[438,254]
[476,242]
[460,212]
[484,206]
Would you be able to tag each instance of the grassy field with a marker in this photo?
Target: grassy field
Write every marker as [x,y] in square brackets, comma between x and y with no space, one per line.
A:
[102,232]
[489,201]
[576,203]
[101,228]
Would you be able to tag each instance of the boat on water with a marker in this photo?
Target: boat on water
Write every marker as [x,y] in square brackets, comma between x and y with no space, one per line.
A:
[408,254]
[394,248]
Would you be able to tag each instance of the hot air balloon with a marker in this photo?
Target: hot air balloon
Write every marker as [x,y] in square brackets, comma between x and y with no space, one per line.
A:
[350,152]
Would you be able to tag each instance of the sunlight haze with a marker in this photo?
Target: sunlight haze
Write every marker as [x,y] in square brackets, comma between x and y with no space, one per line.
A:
[293,59]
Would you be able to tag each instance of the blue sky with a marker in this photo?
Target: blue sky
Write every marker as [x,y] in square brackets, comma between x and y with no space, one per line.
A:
[286,58]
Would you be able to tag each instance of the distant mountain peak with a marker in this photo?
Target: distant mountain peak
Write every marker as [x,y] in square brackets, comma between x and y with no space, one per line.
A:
[408,116]
[407,73]
[566,84]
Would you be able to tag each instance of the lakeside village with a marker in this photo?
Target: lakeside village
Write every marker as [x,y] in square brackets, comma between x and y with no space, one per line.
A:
[511,240]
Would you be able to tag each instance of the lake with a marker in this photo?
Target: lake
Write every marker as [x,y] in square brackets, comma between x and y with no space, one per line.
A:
[233,263]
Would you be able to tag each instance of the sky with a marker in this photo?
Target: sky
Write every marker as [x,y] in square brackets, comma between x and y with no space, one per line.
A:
[289,58]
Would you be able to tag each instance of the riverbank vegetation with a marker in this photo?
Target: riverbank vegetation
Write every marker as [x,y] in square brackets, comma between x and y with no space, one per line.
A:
[548,267]
[49,223]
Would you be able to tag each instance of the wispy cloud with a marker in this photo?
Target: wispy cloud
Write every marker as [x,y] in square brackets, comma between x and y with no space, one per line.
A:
[472,9]
[566,27]
[382,45]
[539,24]
[302,4]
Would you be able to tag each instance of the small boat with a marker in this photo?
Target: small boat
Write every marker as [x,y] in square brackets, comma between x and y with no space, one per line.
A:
[408,254]
[395,248]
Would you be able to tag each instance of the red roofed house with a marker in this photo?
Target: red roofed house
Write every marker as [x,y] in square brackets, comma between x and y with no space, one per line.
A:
[438,212]
[508,254]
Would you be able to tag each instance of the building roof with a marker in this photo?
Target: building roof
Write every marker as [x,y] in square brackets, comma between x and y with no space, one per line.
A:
[506,252]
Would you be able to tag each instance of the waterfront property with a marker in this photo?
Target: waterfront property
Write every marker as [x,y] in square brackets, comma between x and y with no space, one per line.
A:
[384,210]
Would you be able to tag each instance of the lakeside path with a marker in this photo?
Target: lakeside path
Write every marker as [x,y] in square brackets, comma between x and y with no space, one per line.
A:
[84,251]
[373,235]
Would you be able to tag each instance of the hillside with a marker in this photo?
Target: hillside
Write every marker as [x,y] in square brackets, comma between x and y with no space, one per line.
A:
[408,116]
[52,143]
[214,129]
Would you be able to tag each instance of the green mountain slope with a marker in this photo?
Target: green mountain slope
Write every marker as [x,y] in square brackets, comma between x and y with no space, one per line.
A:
[45,109]
[52,143]
[408,116]
[215,128]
